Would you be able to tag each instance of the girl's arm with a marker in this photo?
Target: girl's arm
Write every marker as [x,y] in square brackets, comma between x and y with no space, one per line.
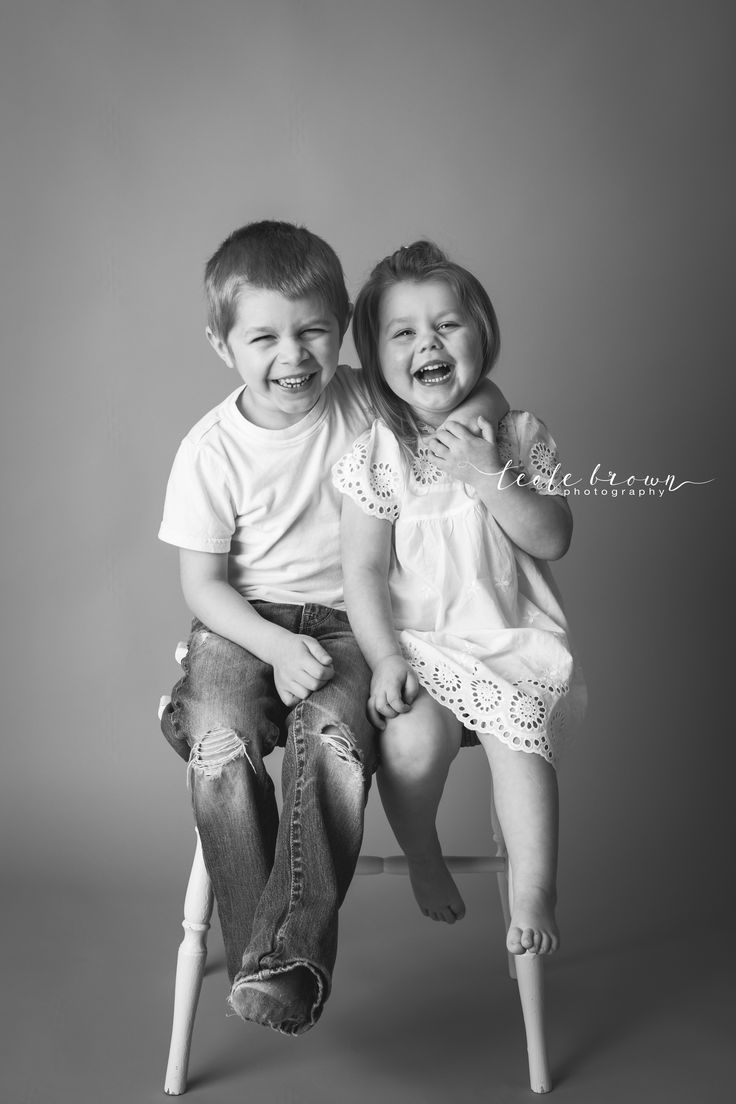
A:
[300,663]
[539,524]
[366,555]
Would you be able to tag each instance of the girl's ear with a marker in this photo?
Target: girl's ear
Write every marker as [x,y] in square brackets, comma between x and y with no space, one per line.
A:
[220,347]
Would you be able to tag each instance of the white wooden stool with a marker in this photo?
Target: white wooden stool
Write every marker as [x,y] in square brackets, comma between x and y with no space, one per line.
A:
[527,969]
[198,903]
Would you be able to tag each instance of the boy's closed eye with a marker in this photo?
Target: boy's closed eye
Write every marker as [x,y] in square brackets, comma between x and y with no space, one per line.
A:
[307,332]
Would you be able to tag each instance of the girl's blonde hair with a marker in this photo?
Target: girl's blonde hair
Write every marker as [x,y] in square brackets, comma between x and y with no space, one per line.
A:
[416,263]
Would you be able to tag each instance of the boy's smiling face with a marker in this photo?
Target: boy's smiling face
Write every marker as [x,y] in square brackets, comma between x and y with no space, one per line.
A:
[285,351]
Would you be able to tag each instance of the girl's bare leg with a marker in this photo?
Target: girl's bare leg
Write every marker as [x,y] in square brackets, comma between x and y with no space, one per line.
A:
[526,799]
[416,751]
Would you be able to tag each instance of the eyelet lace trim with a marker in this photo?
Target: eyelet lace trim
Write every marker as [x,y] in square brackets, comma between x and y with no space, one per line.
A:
[424,471]
[532,715]
[375,488]
[383,480]
[505,451]
[543,460]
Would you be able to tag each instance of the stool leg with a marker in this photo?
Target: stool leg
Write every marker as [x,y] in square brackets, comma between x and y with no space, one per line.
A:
[503,882]
[189,972]
[530,978]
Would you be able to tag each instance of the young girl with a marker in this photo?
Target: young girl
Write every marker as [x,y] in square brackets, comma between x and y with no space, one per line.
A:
[447,587]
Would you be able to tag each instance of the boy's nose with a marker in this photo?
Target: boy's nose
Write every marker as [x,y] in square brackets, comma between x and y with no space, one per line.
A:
[291,351]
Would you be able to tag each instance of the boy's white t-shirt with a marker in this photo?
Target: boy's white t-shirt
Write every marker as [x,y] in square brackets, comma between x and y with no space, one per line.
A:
[266,497]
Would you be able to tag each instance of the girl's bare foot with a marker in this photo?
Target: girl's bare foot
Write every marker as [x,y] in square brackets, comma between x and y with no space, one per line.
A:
[434,888]
[533,927]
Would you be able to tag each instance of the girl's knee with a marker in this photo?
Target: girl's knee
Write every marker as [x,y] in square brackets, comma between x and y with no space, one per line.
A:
[416,751]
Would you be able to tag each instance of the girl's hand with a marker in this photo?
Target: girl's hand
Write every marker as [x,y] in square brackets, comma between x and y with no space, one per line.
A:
[394,687]
[302,666]
[463,454]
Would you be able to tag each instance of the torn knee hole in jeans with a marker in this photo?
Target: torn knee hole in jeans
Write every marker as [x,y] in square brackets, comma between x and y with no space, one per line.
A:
[213,751]
[340,739]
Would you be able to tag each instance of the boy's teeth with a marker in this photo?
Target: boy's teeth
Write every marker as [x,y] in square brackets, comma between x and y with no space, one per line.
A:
[294,383]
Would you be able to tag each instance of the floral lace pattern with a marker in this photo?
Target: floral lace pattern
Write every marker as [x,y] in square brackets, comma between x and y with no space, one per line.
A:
[375,487]
[424,471]
[505,450]
[383,480]
[529,715]
[542,459]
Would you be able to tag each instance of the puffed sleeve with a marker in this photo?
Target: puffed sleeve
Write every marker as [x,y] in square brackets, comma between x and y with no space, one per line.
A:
[372,473]
[526,442]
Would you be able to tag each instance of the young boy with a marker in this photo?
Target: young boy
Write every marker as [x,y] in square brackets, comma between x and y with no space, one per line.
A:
[271,658]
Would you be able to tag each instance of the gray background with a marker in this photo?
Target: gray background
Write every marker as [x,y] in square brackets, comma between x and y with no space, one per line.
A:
[579,158]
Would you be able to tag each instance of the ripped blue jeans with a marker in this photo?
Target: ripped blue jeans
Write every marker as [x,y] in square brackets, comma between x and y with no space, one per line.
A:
[278,884]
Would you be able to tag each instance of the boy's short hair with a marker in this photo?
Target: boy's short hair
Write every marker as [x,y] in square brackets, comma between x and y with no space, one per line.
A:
[416,263]
[275,256]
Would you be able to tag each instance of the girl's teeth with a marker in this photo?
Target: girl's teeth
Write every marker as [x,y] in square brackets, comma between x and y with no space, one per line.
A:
[434,375]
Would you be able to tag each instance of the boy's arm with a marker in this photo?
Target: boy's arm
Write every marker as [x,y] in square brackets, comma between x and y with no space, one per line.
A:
[539,524]
[366,552]
[300,664]
[485,401]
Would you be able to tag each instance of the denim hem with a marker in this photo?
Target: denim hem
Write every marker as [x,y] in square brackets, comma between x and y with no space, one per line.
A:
[271,971]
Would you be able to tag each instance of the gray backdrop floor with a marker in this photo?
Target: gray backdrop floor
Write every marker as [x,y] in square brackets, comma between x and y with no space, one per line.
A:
[420,1013]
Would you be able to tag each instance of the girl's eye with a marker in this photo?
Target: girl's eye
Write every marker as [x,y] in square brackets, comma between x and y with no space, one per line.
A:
[403,333]
[315,331]
[261,337]
[448,325]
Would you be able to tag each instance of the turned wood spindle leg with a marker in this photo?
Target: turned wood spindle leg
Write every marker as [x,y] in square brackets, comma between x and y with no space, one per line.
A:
[189,972]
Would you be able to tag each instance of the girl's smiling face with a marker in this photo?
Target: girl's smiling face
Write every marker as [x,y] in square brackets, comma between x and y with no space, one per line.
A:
[430,351]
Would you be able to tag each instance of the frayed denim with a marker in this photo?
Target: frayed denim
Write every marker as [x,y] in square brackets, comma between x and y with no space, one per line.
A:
[278,883]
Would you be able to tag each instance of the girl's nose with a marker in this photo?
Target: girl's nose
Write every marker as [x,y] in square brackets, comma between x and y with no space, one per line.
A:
[429,340]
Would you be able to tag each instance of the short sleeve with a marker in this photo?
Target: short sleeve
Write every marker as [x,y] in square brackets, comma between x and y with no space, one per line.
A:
[372,473]
[198,511]
[351,382]
[525,442]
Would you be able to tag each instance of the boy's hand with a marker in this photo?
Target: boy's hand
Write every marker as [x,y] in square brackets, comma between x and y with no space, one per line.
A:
[463,454]
[302,666]
[394,687]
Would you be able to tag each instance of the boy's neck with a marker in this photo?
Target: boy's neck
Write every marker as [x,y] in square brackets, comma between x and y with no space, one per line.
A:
[271,420]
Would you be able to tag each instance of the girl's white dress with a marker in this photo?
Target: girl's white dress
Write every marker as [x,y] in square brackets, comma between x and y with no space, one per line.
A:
[480,621]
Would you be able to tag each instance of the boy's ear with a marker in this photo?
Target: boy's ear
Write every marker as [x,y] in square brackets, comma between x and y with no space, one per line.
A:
[220,347]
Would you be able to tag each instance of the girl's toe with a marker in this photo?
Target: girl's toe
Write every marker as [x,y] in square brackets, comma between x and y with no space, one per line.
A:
[513,941]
